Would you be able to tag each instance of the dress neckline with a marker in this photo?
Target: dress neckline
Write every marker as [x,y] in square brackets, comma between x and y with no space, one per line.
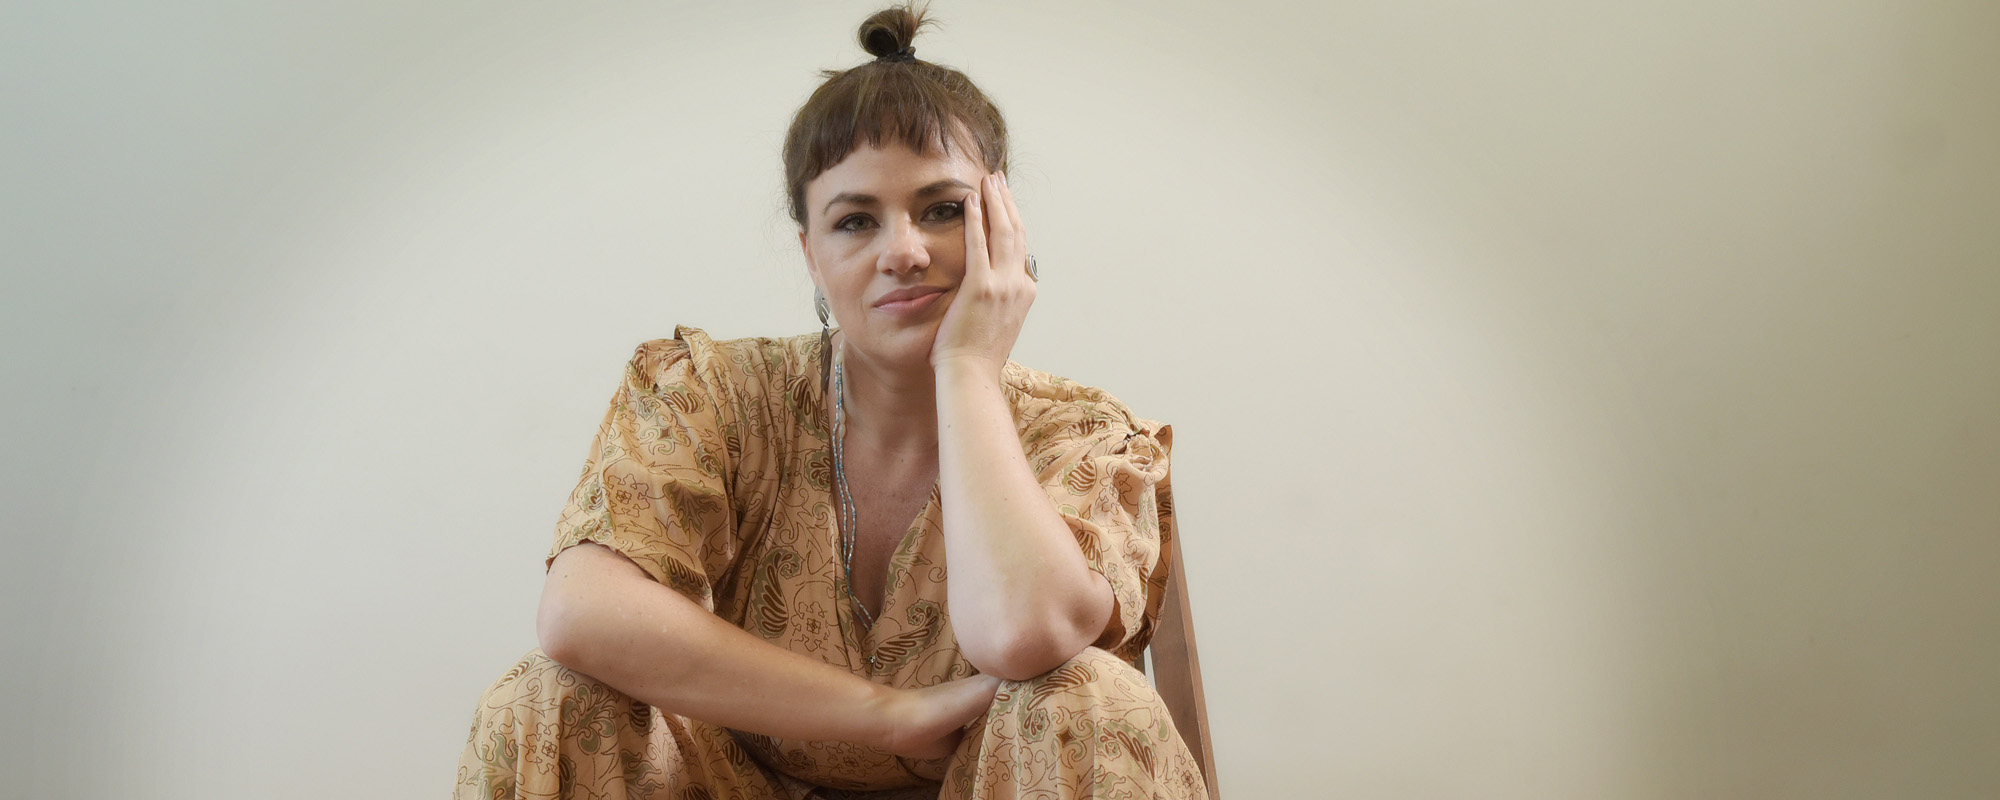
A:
[906,543]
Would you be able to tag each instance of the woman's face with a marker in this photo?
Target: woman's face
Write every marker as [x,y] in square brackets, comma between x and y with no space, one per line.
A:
[882,223]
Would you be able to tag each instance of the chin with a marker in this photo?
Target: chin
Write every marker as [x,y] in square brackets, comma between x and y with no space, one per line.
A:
[903,348]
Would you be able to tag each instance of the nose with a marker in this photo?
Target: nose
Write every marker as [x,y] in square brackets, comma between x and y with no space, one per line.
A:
[905,250]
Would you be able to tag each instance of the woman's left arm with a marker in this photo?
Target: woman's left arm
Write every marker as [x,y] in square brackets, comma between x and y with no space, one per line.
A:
[1022,599]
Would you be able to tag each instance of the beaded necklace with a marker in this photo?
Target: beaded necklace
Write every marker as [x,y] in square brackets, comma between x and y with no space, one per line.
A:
[845,498]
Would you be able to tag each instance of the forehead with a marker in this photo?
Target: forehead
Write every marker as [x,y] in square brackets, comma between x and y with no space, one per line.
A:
[892,169]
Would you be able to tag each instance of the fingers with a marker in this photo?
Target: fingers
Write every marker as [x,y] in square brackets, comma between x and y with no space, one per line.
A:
[961,701]
[993,232]
[932,719]
[999,224]
[1013,214]
[977,697]
[1005,246]
[977,263]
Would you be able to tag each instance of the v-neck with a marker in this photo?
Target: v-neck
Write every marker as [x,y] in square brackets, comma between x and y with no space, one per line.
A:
[906,544]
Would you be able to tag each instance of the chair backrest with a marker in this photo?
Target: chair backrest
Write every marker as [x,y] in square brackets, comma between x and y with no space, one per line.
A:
[1176,670]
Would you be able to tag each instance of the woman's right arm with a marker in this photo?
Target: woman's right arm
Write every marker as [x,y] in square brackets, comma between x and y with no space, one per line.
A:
[604,617]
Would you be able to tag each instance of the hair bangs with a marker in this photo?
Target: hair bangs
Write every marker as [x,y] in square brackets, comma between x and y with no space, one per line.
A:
[926,107]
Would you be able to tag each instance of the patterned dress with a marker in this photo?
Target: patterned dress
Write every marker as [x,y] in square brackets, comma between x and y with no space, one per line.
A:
[713,472]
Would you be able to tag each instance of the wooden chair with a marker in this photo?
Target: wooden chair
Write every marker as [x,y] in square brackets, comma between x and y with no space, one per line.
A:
[1176,671]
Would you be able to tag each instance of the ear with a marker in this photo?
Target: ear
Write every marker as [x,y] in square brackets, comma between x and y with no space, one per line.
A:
[812,269]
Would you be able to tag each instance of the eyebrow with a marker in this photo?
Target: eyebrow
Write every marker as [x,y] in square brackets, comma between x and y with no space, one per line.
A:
[939,187]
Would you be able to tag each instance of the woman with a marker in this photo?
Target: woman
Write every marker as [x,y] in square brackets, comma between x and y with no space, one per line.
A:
[747,593]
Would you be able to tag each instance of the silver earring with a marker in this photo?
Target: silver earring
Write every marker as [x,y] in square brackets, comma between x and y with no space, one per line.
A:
[825,337]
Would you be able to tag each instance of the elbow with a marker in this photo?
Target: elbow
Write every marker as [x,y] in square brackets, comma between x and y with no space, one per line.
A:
[558,627]
[570,624]
[1027,643]
[1019,653]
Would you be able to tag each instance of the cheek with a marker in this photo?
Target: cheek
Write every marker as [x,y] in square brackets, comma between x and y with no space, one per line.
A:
[834,256]
[847,277]
[948,245]
[845,248]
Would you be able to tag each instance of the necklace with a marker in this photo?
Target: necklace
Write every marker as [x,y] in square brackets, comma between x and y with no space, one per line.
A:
[845,499]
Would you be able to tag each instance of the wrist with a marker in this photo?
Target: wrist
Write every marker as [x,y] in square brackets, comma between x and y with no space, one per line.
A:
[880,726]
[958,368]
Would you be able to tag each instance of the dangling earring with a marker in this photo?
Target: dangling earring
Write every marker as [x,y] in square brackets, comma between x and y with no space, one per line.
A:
[825,338]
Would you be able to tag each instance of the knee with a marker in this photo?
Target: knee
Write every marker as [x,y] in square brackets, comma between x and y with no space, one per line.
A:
[1092,682]
[538,725]
[539,688]
[1094,709]
[535,675]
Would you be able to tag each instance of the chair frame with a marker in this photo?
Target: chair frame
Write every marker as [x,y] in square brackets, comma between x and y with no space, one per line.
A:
[1176,669]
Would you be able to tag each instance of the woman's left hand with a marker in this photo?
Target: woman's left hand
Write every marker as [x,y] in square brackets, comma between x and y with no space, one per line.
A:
[993,298]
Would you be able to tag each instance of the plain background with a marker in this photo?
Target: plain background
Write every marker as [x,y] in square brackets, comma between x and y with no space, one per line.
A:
[1572,399]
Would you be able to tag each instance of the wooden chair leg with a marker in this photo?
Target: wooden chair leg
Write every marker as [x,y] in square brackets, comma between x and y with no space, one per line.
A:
[1176,670]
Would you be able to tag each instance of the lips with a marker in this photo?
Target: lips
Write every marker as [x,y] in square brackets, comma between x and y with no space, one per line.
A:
[907,293]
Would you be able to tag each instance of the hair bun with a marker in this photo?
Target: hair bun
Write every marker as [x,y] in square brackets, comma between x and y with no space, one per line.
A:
[930,108]
[889,32]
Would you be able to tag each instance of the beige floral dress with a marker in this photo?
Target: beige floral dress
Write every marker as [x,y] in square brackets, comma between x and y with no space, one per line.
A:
[713,472]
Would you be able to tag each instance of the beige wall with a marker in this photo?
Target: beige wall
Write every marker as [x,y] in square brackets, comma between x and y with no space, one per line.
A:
[1571,399]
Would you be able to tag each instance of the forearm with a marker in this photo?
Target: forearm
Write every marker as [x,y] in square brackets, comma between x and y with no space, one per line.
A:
[603,617]
[1022,598]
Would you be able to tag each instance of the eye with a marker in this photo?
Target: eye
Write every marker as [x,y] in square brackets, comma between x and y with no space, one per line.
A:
[949,211]
[851,222]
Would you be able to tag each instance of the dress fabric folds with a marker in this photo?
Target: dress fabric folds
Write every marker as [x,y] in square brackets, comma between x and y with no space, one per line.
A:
[712,471]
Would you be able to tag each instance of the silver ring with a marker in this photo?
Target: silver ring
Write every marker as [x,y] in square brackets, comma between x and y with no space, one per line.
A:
[1033,274]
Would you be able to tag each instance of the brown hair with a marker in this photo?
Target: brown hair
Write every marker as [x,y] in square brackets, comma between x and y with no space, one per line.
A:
[894,98]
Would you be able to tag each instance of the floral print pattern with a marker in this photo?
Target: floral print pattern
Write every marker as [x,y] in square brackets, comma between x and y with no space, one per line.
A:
[711,471]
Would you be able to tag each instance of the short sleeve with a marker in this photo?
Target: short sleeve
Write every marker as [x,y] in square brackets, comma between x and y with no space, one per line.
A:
[654,485]
[1109,481]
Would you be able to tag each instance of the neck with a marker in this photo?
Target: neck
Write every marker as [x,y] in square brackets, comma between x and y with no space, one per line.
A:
[889,409]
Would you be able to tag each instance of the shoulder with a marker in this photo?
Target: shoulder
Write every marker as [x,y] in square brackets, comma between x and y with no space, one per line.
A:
[1055,413]
[722,365]
[756,381]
